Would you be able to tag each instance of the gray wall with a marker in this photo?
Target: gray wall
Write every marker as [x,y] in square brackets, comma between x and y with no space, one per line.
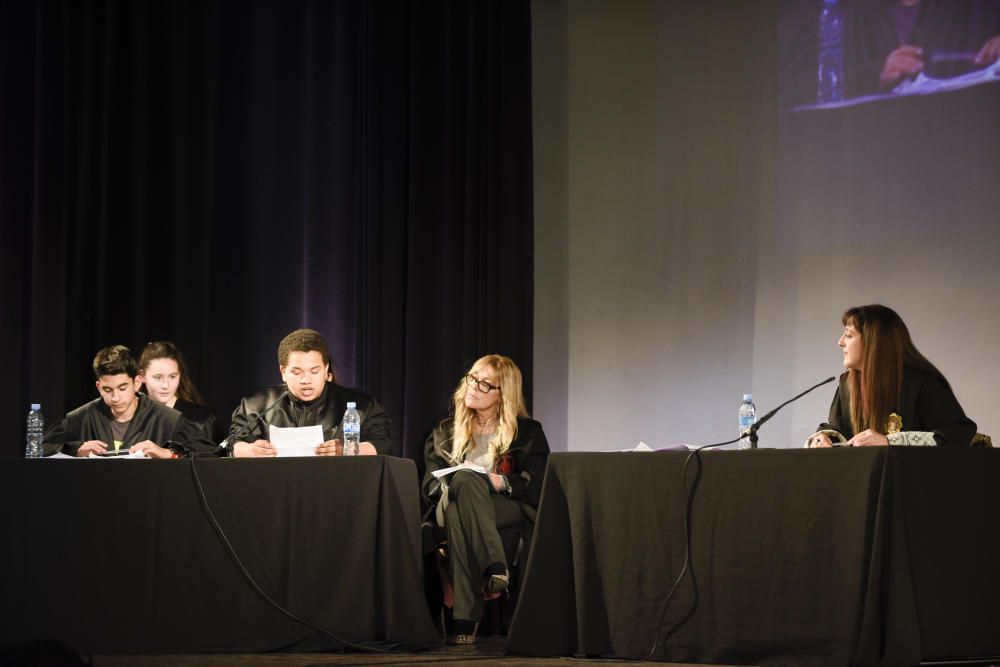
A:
[674,270]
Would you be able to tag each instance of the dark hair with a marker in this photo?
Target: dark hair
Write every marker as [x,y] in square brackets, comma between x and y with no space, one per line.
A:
[304,340]
[114,360]
[164,349]
[886,348]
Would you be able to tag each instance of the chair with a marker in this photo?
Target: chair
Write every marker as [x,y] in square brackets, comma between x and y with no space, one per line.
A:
[497,613]
[981,440]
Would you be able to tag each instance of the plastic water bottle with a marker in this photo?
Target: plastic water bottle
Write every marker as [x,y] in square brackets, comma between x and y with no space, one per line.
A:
[748,417]
[352,429]
[36,428]
[830,72]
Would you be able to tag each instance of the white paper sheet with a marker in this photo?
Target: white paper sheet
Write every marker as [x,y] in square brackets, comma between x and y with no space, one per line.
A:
[925,85]
[136,455]
[444,472]
[296,441]
[641,447]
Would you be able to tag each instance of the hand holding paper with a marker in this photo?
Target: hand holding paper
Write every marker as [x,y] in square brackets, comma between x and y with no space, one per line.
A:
[444,472]
[296,441]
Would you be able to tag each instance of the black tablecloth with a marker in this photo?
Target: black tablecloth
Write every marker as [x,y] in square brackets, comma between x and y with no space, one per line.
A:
[118,556]
[804,557]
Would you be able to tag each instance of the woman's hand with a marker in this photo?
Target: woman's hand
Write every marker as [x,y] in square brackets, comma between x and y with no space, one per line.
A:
[497,481]
[868,438]
[819,440]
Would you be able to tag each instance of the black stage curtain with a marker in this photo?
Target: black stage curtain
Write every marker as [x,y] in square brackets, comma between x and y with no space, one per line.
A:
[220,173]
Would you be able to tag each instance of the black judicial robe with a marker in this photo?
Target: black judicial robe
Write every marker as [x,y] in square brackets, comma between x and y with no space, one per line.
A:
[202,416]
[151,421]
[925,404]
[326,411]
[523,463]
[949,28]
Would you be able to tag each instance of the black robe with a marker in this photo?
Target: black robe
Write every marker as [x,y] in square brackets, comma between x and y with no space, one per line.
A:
[201,415]
[152,421]
[523,463]
[925,404]
[944,29]
[326,411]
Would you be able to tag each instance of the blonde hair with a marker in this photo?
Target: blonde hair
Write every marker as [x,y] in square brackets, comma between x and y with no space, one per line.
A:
[507,376]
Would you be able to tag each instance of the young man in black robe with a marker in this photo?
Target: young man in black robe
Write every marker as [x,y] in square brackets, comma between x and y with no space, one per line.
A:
[122,419]
[309,397]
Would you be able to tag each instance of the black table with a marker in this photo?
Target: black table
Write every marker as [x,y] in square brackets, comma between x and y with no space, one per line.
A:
[803,557]
[118,556]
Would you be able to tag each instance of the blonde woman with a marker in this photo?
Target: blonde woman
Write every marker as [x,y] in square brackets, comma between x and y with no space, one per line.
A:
[492,432]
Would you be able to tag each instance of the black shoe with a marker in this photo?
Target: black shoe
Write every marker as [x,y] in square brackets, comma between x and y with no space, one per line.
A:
[496,579]
[465,633]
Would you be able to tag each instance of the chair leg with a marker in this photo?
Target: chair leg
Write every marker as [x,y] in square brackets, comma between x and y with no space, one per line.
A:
[449,592]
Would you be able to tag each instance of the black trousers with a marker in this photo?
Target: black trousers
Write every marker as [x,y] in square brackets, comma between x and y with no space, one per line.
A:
[473,515]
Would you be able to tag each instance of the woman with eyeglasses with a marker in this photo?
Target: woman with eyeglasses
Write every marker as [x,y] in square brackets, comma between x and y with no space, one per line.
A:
[502,452]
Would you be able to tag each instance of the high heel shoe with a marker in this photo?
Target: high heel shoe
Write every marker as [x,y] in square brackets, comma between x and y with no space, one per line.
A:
[495,582]
[465,633]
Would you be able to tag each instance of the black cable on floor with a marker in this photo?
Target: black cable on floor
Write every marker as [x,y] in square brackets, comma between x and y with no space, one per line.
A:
[688,568]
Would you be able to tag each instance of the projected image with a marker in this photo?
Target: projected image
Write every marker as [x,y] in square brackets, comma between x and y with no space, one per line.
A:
[837,52]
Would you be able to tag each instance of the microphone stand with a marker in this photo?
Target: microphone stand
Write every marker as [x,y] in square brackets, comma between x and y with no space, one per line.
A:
[752,431]
[230,441]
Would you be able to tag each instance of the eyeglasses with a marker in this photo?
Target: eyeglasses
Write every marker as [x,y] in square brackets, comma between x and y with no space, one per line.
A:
[482,385]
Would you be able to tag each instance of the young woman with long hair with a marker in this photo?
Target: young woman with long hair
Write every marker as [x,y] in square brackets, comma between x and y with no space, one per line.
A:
[165,375]
[505,453]
[890,393]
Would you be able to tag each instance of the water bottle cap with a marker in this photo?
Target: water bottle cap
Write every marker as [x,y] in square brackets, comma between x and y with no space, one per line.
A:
[351,405]
[36,406]
[747,397]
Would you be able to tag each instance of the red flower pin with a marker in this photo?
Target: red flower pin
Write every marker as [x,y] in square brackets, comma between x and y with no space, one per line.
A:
[505,465]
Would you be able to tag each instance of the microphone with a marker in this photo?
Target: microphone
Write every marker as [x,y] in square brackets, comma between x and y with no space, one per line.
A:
[752,431]
[227,444]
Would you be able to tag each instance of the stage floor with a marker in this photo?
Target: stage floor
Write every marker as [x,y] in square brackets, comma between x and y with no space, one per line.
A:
[486,651]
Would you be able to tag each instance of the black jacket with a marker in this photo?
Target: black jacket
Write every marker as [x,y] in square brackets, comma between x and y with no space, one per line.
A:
[523,463]
[202,416]
[326,411]
[925,404]
[151,421]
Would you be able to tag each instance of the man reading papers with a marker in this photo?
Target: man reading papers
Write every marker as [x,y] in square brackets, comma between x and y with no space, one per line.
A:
[123,420]
[309,397]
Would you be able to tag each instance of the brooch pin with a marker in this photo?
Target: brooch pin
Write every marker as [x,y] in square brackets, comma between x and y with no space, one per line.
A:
[894,425]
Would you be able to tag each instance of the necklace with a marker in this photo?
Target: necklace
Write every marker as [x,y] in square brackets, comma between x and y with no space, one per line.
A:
[485,424]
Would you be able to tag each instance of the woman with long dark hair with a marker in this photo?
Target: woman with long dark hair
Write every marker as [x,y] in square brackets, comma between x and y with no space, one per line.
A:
[165,375]
[891,394]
